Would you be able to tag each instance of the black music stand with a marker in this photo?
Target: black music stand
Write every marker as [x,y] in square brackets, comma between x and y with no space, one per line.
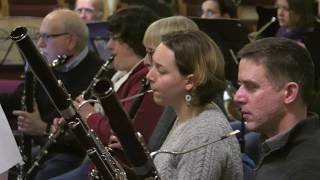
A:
[265,15]
[230,36]
[98,38]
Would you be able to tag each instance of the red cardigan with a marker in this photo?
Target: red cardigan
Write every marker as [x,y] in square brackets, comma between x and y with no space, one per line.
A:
[146,117]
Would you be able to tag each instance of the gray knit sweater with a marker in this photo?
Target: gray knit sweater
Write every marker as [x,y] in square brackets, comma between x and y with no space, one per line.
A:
[218,161]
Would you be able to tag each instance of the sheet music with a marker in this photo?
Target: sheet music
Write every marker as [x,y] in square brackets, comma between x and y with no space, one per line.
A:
[9,151]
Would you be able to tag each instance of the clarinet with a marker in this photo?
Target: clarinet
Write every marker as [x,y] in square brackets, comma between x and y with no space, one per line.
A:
[107,69]
[121,125]
[107,166]
[25,140]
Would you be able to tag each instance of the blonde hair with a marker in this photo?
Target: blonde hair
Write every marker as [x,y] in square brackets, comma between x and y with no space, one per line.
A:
[154,33]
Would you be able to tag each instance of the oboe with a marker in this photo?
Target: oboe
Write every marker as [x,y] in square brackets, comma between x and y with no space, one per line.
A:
[27,105]
[107,69]
[122,126]
[43,152]
[59,61]
[107,166]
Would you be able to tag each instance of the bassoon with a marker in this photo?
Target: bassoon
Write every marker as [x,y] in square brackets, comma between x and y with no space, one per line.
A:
[107,166]
[122,126]
[30,84]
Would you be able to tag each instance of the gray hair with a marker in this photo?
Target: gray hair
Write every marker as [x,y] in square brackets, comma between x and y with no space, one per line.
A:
[73,24]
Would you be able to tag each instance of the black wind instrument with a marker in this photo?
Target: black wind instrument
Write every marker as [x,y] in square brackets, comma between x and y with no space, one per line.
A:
[25,144]
[137,102]
[38,160]
[33,166]
[59,61]
[106,69]
[107,166]
[29,96]
[135,150]
[134,106]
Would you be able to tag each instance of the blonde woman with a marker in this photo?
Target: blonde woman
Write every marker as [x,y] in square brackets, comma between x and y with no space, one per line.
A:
[151,40]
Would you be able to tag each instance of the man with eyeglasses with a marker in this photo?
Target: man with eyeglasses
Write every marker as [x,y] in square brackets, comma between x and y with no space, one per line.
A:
[90,10]
[62,32]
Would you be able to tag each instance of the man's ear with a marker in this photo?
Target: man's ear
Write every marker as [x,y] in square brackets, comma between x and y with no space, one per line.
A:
[73,40]
[189,82]
[291,92]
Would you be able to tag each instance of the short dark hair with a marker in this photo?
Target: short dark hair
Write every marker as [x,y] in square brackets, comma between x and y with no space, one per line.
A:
[284,60]
[130,24]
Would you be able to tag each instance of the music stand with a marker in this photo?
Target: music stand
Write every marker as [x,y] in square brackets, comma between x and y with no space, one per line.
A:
[9,54]
[230,36]
[98,38]
[265,14]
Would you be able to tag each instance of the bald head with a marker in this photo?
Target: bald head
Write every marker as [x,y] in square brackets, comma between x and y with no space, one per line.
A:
[65,20]
[62,32]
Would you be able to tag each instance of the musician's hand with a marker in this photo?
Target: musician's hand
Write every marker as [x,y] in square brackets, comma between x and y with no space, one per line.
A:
[85,110]
[114,143]
[30,123]
[56,123]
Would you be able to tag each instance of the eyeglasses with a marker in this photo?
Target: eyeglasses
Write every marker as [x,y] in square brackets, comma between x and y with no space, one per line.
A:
[46,36]
[85,10]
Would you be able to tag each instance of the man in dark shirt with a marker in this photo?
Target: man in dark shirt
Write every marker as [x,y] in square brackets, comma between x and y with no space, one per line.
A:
[276,77]
[62,32]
